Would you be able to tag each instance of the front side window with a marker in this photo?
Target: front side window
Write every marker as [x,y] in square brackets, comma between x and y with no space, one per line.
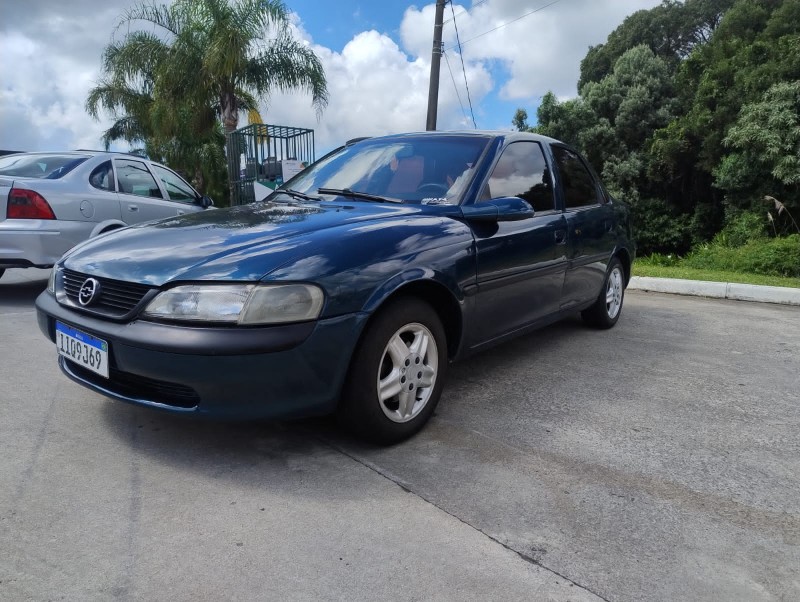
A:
[522,172]
[579,186]
[102,177]
[134,178]
[177,188]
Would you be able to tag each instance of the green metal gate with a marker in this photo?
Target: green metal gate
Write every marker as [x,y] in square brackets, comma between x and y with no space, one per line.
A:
[261,155]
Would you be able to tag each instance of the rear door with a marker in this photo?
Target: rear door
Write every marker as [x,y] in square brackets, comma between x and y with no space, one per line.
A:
[589,224]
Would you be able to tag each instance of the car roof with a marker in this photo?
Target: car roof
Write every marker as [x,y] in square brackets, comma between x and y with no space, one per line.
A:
[510,135]
[80,153]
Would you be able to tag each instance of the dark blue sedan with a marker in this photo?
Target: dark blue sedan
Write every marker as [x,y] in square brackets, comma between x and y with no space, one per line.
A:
[350,289]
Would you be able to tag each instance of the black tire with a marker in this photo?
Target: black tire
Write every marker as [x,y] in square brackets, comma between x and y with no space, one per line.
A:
[607,308]
[407,322]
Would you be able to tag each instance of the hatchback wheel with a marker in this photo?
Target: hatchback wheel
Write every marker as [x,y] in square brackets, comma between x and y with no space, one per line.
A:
[397,373]
[606,310]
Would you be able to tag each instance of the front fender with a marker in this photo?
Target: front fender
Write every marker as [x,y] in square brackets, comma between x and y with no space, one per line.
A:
[417,275]
[360,266]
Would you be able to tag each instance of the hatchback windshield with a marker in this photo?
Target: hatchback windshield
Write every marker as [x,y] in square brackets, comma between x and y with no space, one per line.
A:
[48,167]
[416,169]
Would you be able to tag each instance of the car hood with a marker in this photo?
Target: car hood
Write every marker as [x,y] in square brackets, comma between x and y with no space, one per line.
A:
[241,243]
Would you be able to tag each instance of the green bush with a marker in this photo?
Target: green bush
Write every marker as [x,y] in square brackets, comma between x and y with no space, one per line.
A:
[769,256]
[741,229]
[658,228]
[659,259]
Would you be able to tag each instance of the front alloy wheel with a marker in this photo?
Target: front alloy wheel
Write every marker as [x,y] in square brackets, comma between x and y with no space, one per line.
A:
[396,374]
[407,372]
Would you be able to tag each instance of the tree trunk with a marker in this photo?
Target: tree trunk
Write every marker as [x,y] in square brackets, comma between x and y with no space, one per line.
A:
[230,119]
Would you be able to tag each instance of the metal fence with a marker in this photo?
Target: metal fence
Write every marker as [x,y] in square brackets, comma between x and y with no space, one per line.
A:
[264,155]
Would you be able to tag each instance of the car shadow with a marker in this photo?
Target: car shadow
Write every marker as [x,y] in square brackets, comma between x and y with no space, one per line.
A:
[250,454]
[20,293]
[233,449]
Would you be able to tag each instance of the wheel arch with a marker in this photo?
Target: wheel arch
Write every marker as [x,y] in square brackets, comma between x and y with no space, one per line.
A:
[439,297]
[626,260]
[107,226]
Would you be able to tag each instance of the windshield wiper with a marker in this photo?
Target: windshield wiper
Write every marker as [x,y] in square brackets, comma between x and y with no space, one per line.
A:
[296,194]
[355,194]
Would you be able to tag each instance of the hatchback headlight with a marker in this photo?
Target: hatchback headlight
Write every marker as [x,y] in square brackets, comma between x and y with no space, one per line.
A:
[243,304]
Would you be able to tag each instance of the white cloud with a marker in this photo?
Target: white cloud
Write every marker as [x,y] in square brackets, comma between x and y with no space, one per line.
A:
[51,58]
[375,88]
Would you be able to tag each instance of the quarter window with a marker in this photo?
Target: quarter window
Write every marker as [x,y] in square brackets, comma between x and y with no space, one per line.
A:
[579,186]
[102,177]
[522,172]
[177,188]
[134,178]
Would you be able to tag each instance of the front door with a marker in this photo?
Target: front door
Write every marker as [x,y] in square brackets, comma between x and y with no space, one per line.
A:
[520,264]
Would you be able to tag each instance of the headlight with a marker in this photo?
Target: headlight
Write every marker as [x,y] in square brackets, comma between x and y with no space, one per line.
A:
[244,304]
[51,282]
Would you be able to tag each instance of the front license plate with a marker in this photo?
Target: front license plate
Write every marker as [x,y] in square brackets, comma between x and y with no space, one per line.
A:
[83,349]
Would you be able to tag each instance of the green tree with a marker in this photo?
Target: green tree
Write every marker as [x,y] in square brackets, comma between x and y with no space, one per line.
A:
[520,120]
[671,30]
[197,64]
[765,156]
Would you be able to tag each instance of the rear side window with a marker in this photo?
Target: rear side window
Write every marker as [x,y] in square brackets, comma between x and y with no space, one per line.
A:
[177,188]
[102,177]
[46,167]
[579,186]
[133,177]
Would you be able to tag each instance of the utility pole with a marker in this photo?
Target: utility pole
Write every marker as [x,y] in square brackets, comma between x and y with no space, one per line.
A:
[436,61]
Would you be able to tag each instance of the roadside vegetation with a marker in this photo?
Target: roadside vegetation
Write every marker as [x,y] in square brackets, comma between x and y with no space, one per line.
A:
[691,112]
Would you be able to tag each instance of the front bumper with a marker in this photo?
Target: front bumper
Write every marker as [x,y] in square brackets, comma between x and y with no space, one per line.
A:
[235,373]
[39,242]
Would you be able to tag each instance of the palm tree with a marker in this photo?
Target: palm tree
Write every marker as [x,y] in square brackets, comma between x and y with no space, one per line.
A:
[197,62]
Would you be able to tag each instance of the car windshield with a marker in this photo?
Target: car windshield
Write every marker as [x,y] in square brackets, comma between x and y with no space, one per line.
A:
[50,167]
[416,169]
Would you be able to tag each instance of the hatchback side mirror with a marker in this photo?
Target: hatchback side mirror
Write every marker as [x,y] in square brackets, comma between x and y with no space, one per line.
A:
[206,201]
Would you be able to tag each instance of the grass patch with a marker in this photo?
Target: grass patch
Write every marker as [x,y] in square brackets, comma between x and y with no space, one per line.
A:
[642,267]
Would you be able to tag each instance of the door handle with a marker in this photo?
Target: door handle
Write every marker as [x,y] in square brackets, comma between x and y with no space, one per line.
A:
[133,208]
[560,236]
[181,212]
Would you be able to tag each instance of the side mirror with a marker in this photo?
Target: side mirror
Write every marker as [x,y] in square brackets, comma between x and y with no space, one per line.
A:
[507,209]
[206,201]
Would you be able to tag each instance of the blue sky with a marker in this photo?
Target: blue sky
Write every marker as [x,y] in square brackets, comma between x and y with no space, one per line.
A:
[376,56]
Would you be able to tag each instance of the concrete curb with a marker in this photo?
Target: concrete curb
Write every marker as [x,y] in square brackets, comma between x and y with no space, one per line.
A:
[718,290]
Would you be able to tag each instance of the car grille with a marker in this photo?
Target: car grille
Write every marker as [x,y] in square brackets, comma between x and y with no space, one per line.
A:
[117,298]
[135,387]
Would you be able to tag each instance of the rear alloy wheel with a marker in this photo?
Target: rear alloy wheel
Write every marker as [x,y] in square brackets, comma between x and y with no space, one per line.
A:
[606,310]
[397,373]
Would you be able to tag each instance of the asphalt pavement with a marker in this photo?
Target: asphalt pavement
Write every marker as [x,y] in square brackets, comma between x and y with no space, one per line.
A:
[655,461]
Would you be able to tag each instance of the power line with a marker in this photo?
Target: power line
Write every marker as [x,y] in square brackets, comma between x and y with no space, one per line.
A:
[463,68]
[455,86]
[460,44]
[463,12]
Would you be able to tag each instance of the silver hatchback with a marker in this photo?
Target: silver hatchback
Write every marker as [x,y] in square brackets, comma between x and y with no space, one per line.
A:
[49,202]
